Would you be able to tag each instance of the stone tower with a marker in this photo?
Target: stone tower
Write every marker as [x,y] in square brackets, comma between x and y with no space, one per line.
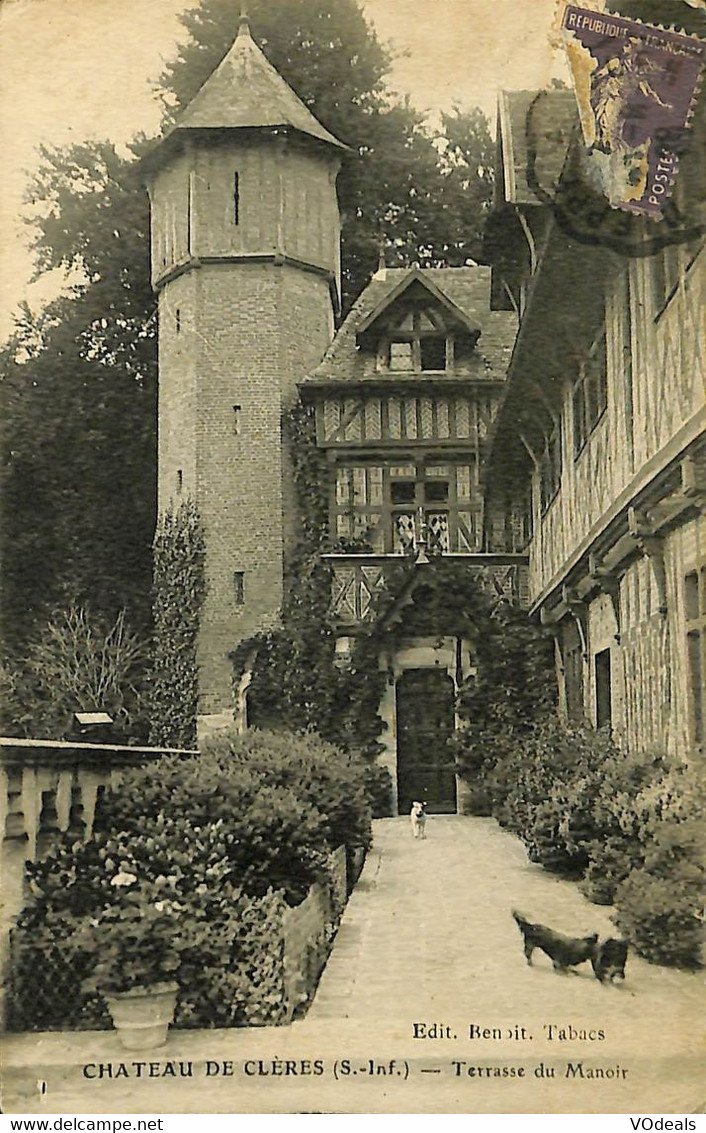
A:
[246,263]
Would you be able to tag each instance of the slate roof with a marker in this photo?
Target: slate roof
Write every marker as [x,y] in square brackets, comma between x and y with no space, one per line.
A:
[245,91]
[468,288]
[551,115]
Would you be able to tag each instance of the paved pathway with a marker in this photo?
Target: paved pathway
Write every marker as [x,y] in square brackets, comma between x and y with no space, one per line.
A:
[427,946]
[429,933]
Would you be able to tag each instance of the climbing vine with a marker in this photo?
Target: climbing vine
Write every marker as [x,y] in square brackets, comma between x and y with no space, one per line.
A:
[295,681]
[513,688]
[179,587]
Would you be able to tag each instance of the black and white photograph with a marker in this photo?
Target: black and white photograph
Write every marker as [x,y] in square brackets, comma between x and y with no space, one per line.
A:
[353,563]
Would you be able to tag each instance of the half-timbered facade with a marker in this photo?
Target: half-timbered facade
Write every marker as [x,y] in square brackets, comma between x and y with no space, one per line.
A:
[601,430]
[405,399]
[246,263]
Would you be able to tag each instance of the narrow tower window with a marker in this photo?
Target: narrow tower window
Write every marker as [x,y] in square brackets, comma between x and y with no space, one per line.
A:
[179,481]
[236,198]
[239,587]
[177,319]
[236,420]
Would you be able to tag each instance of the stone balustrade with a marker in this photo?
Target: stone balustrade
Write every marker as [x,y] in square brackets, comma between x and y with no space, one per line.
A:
[50,786]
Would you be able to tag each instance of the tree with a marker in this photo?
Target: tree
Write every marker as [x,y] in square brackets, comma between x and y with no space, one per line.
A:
[468,172]
[79,404]
[77,664]
[395,190]
[79,383]
[78,482]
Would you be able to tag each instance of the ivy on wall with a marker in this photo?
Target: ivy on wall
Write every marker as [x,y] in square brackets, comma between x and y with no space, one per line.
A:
[295,681]
[513,688]
[179,587]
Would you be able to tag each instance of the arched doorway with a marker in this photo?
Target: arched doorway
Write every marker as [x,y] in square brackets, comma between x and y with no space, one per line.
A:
[425,721]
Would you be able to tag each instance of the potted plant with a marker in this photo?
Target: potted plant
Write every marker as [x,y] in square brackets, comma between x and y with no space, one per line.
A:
[138,956]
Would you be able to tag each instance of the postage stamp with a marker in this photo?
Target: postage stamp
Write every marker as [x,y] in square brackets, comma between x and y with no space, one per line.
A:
[635,86]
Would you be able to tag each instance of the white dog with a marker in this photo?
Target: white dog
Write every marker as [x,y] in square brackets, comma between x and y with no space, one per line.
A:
[418,818]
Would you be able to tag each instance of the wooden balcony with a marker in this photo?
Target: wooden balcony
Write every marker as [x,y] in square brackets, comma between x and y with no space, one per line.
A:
[359,580]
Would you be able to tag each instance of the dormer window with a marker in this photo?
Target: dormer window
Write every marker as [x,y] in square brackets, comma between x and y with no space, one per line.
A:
[417,327]
[419,344]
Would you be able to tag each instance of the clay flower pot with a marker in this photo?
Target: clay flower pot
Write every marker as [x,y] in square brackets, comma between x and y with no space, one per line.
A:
[142,1016]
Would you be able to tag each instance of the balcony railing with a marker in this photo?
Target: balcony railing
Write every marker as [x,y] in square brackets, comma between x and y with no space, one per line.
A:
[359,580]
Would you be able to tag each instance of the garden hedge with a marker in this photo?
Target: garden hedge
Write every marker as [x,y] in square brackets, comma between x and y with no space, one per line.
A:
[628,825]
[225,841]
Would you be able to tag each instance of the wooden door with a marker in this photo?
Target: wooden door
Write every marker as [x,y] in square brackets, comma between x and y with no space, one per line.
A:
[425,721]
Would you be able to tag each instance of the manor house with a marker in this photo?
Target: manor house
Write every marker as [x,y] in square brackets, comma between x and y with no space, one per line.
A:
[561,466]
[602,427]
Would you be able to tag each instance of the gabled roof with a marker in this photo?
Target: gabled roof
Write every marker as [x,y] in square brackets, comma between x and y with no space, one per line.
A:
[409,279]
[466,289]
[245,91]
[544,118]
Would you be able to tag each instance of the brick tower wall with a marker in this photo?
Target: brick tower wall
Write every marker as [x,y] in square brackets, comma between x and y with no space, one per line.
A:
[245,242]
[247,333]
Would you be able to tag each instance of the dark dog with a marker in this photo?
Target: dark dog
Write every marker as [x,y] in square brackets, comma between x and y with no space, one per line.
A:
[563,951]
[609,958]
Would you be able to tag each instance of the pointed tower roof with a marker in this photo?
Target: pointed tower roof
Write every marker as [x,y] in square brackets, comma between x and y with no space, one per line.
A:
[245,91]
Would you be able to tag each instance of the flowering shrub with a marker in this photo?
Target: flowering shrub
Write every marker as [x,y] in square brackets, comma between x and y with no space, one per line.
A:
[189,876]
[543,789]
[135,940]
[660,903]
[623,820]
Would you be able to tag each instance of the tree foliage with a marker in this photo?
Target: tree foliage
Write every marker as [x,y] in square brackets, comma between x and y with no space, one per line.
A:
[416,192]
[79,405]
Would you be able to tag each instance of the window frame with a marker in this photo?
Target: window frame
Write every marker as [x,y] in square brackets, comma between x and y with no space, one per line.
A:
[695,632]
[589,398]
[239,587]
[414,338]
[603,688]
[424,483]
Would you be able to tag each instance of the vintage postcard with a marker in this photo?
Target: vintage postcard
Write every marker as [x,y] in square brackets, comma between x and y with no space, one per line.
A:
[353,590]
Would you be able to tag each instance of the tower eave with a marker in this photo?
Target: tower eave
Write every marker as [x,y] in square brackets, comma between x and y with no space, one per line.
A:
[178,139]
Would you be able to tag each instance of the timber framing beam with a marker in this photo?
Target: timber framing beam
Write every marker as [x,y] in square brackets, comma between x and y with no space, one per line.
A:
[668,490]
[573,606]
[691,493]
[608,582]
[652,545]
